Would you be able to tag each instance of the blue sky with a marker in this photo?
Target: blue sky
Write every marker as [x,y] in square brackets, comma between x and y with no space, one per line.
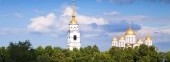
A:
[45,22]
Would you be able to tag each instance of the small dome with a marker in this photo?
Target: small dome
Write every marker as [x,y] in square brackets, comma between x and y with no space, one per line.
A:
[122,38]
[148,38]
[73,21]
[114,40]
[130,32]
[139,40]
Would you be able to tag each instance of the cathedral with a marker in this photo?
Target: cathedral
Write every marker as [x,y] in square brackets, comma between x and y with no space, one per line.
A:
[126,40]
[129,40]
[73,38]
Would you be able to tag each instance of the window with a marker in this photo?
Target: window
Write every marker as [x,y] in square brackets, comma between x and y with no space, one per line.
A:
[74,37]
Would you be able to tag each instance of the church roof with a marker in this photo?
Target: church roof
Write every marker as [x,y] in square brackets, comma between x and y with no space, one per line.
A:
[148,38]
[122,38]
[130,32]
[73,20]
[139,40]
[114,40]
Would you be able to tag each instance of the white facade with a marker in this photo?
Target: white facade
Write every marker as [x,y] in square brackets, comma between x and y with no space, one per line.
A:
[121,43]
[115,42]
[73,33]
[148,42]
[129,40]
[73,37]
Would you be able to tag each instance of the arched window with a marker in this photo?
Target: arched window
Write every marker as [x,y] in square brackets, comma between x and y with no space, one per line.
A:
[74,37]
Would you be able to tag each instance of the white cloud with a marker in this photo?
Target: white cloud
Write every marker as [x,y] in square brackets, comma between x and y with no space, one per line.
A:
[67,11]
[90,20]
[52,25]
[84,22]
[155,30]
[82,19]
[42,23]
[159,34]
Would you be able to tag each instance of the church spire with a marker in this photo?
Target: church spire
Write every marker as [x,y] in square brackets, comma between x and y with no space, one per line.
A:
[73,8]
[73,21]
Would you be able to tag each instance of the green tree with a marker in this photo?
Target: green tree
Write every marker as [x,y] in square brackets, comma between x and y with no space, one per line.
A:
[21,52]
[115,53]
[4,56]
[167,56]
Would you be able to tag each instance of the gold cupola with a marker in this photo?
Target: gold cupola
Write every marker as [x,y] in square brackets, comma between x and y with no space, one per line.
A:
[114,40]
[122,38]
[130,32]
[139,40]
[73,20]
[148,38]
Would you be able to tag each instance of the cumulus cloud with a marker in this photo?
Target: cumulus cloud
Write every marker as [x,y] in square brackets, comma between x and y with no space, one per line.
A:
[85,22]
[155,30]
[42,24]
[159,34]
[91,26]
[90,20]
[68,11]
[53,25]
[83,19]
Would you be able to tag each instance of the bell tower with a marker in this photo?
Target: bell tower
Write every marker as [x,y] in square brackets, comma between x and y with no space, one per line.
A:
[73,32]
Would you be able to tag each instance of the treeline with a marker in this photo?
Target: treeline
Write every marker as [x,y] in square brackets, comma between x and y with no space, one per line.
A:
[23,52]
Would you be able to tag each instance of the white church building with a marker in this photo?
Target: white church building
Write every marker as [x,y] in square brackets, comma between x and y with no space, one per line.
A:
[126,40]
[129,40]
[73,38]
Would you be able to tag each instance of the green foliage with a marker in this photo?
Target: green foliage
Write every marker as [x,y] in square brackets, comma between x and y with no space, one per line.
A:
[3,55]
[168,56]
[23,52]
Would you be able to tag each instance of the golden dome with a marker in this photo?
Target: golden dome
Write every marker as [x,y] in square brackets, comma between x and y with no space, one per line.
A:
[122,38]
[130,32]
[139,40]
[148,38]
[114,40]
[73,21]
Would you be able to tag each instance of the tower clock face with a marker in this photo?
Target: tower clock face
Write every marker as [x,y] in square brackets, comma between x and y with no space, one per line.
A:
[74,37]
